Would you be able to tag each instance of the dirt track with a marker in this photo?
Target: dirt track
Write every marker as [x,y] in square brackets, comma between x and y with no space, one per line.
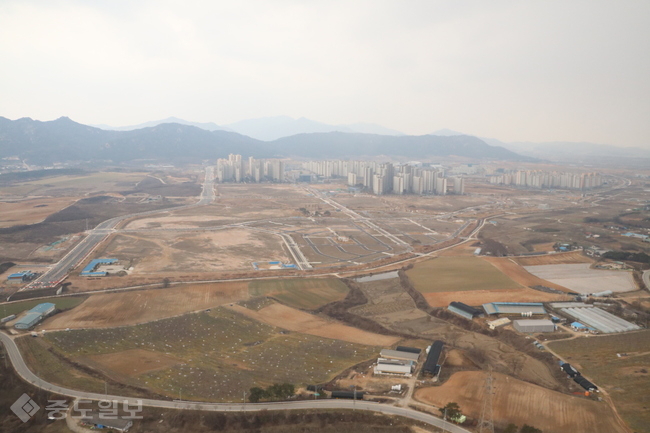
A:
[523,403]
[130,308]
[295,320]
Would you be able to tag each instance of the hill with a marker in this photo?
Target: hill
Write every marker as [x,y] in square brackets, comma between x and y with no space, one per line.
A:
[65,140]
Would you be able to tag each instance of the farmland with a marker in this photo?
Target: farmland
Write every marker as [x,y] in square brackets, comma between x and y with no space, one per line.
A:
[581,279]
[625,379]
[130,308]
[521,403]
[220,353]
[64,303]
[305,293]
[31,211]
[455,274]
[478,297]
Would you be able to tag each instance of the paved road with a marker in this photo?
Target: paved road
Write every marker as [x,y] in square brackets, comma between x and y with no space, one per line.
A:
[21,368]
[99,233]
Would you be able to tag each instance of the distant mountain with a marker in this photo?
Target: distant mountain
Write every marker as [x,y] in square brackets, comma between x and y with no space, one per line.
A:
[446,132]
[273,128]
[65,140]
[209,126]
[568,150]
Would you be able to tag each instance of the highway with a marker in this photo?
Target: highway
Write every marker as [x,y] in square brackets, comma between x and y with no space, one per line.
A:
[24,372]
[99,233]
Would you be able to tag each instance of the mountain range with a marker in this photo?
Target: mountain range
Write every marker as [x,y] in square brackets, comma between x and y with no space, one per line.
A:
[65,140]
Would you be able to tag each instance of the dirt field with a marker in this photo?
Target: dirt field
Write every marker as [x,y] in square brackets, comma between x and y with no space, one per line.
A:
[572,257]
[580,278]
[196,251]
[520,274]
[132,362]
[305,293]
[446,274]
[129,308]
[478,297]
[295,320]
[31,211]
[626,379]
[521,403]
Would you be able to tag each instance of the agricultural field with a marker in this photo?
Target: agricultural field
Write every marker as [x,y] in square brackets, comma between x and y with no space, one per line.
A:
[625,379]
[573,257]
[206,356]
[479,297]
[129,308]
[75,185]
[456,274]
[521,403]
[304,293]
[31,211]
[62,303]
[281,316]
[581,278]
[518,273]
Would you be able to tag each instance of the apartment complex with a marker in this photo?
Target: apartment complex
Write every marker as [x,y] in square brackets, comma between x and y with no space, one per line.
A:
[545,179]
[236,169]
[387,178]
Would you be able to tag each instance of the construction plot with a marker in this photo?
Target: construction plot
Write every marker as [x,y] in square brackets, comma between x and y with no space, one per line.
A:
[521,403]
[581,278]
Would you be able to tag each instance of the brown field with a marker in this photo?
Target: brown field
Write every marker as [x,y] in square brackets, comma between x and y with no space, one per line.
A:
[478,297]
[521,275]
[295,320]
[132,362]
[130,308]
[31,211]
[554,259]
[521,403]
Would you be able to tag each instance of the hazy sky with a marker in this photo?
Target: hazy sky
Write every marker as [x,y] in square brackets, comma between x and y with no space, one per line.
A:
[513,70]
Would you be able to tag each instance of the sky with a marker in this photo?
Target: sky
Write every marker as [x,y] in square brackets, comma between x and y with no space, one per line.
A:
[514,70]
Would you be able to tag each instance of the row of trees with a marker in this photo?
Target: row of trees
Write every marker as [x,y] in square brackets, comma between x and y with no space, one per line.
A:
[452,411]
[277,391]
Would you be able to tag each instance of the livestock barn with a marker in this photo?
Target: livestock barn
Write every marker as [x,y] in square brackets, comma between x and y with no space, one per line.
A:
[464,310]
[532,326]
[431,366]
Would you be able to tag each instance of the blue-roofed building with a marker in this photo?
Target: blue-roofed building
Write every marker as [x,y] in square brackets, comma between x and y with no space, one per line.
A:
[89,270]
[44,308]
[28,320]
[20,277]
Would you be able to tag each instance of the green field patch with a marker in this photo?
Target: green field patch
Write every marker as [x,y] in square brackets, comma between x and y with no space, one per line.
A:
[305,293]
[458,274]
[626,378]
[62,304]
[222,353]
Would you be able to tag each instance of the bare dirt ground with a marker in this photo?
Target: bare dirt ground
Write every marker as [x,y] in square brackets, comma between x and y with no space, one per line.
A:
[520,274]
[521,403]
[295,320]
[32,210]
[208,251]
[580,278]
[133,362]
[130,308]
[478,297]
[554,259]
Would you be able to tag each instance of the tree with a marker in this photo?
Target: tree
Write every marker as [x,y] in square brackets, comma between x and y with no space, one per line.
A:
[529,429]
[452,410]
[510,428]
[256,394]
[166,283]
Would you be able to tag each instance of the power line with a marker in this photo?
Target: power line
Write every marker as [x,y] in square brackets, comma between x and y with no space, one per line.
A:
[486,425]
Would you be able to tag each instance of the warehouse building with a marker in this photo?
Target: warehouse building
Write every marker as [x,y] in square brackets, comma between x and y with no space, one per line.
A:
[35,315]
[494,324]
[95,421]
[399,355]
[464,310]
[600,319]
[394,366]
[408,349]
[431,366]
[89,270]
[518,308]
[20,277]
[585,383]
[531,326]
[570,370]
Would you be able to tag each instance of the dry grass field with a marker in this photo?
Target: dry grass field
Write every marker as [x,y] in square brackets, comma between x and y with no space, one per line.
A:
[451,274]
[521,403]
[291,319]
[626,379]
[75,185]
[31,211]
[572,257]
[129,308]
[478,297]
[208,356]
[305,293]
[519,274]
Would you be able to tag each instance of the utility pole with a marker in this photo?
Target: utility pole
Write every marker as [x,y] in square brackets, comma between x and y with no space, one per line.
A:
[105,388]
[444,420]
[244,400]
[487,423]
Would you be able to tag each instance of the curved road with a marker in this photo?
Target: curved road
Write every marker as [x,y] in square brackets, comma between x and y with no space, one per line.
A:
[23,371]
